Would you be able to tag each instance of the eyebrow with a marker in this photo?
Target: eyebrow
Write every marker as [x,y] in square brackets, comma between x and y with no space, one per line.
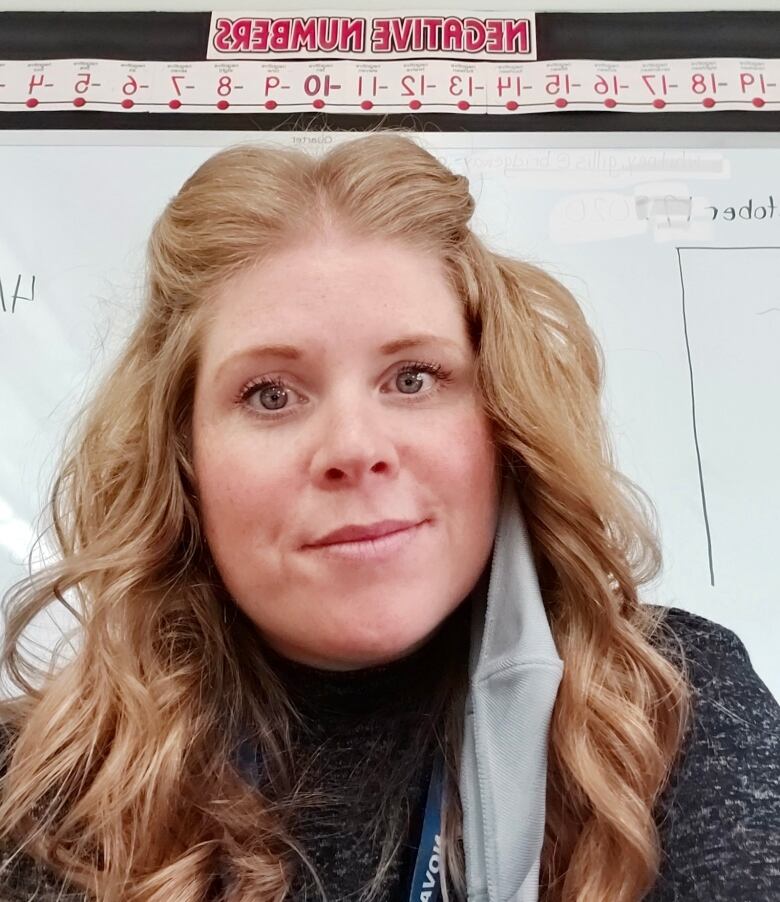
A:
[290,352]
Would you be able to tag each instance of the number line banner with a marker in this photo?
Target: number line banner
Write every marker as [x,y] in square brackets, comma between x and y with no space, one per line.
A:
[391,86]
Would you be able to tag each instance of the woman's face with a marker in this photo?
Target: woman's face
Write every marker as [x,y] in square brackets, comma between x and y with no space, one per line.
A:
[348,439]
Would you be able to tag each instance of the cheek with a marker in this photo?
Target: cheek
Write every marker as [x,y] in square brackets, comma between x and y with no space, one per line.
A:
[466,455]
[235,483]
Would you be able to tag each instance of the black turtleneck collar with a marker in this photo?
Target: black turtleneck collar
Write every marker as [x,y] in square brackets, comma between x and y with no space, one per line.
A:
[330,696]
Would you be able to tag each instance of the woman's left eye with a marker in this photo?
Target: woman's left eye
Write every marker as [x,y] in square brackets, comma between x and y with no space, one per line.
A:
[409,374]
[275,390]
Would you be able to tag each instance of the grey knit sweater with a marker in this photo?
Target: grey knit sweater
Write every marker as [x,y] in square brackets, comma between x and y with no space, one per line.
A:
[719,817]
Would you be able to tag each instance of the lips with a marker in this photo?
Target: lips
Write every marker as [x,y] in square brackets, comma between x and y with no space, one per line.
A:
[357,533]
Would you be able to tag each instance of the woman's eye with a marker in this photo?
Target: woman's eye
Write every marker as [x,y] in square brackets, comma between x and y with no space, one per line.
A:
[273,392]
[409,379]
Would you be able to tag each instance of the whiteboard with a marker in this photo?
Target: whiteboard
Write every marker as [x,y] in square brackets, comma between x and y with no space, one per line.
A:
[670,242]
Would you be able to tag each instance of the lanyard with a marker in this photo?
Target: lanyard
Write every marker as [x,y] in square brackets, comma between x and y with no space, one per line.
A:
[426,881]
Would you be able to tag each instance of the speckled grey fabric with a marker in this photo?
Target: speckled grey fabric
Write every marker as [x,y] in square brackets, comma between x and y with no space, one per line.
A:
[719,816]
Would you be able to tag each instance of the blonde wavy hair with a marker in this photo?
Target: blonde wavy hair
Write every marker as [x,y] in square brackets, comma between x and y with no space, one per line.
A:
[119,776]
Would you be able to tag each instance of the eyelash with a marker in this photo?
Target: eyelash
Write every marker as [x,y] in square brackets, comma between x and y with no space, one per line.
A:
[443,377]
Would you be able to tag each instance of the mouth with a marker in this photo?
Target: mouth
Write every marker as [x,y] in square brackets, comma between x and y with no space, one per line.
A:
[355,533]
[373,549]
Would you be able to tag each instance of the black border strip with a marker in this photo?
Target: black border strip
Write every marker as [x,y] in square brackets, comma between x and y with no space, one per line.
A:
[606,122]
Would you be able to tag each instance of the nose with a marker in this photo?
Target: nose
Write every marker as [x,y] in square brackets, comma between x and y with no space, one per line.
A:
[353,439]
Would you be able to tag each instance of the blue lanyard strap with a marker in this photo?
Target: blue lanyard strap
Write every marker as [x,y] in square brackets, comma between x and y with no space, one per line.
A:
[426,881]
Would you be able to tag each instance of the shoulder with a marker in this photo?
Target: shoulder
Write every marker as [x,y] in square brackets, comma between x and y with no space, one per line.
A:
[719,816]
[699,635]
[22,877]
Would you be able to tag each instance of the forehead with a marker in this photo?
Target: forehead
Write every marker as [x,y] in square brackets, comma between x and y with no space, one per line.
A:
[336,294]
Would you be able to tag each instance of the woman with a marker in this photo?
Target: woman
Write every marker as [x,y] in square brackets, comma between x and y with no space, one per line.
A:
[360,607]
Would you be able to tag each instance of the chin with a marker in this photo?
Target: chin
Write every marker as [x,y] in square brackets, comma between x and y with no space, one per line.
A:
[380,650]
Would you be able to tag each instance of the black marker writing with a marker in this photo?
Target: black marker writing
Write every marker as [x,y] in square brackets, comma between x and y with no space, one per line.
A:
[746,212]
[16,295]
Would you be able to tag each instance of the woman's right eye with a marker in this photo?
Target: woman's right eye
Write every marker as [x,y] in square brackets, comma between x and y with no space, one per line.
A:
[272,391]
